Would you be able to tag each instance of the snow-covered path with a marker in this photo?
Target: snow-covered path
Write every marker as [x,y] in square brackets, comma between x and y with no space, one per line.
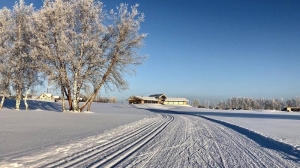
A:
[167,140]
[190,141]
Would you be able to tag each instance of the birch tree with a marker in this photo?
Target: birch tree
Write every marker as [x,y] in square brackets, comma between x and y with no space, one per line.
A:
[32,77]
[52,44]
[5,23]
[82,44]
[4,83]
[123,40]
[196,103]
[16,44]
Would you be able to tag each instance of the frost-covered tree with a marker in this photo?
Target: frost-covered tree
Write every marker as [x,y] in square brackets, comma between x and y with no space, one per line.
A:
[4,82]
[196,103]
[83,45]
[113,99]
[282,103]
[229,104]
[222,105]
[5,20]
[71,38]
[206,103]
[122,41]
[250,103]
[16,37]
[5,76]
[289,103]
[32,77]
[296,102]
[52,27]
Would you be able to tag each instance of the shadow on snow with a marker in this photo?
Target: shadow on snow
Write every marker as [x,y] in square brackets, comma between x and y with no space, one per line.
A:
[34,105]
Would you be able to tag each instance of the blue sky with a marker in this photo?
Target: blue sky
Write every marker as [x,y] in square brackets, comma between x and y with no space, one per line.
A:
[214,49]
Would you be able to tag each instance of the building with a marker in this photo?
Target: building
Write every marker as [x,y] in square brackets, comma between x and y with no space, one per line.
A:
[46,97]
[157,99]
[290,109]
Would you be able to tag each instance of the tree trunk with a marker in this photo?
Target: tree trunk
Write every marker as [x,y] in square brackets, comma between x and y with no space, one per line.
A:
[63,99]
[89,101]
[18,99]
[89,106]
[70,102]
[66,86]
[105,76]
[2,101]
[75,105]
[69,98]
[77,98]
[25,100]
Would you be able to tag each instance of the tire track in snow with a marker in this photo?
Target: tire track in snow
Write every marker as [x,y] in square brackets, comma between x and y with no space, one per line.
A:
[254,154]
[117,157]
[153,154]
[105,153]
[94,151]
[245,152]
[245,148]
[209,146]
[212,134]
[120,137]
[176,137]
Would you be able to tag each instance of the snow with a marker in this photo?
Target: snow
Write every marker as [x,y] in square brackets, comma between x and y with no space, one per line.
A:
[121,135]
[22,130]
[278,125]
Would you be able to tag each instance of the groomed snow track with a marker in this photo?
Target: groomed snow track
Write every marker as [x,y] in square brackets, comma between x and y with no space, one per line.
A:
[168,140]
[111,153]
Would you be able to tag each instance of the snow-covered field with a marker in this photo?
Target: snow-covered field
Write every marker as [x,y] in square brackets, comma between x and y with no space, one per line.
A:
[120,135]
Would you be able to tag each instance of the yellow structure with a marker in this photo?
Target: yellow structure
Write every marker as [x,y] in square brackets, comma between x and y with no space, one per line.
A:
[46,97]
[157,99]
[290,109]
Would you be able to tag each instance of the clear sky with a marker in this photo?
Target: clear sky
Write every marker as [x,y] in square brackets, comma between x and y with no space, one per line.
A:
[215,49]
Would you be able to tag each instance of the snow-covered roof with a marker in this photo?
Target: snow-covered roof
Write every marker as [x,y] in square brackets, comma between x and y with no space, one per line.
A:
[157,95]
[176,99]
[49,95]
[145,98]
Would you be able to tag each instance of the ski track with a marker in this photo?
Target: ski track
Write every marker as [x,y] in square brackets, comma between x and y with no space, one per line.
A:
[168,140]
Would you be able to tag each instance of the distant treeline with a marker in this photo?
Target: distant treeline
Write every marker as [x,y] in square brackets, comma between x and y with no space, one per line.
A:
[100,99]
[243,103]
